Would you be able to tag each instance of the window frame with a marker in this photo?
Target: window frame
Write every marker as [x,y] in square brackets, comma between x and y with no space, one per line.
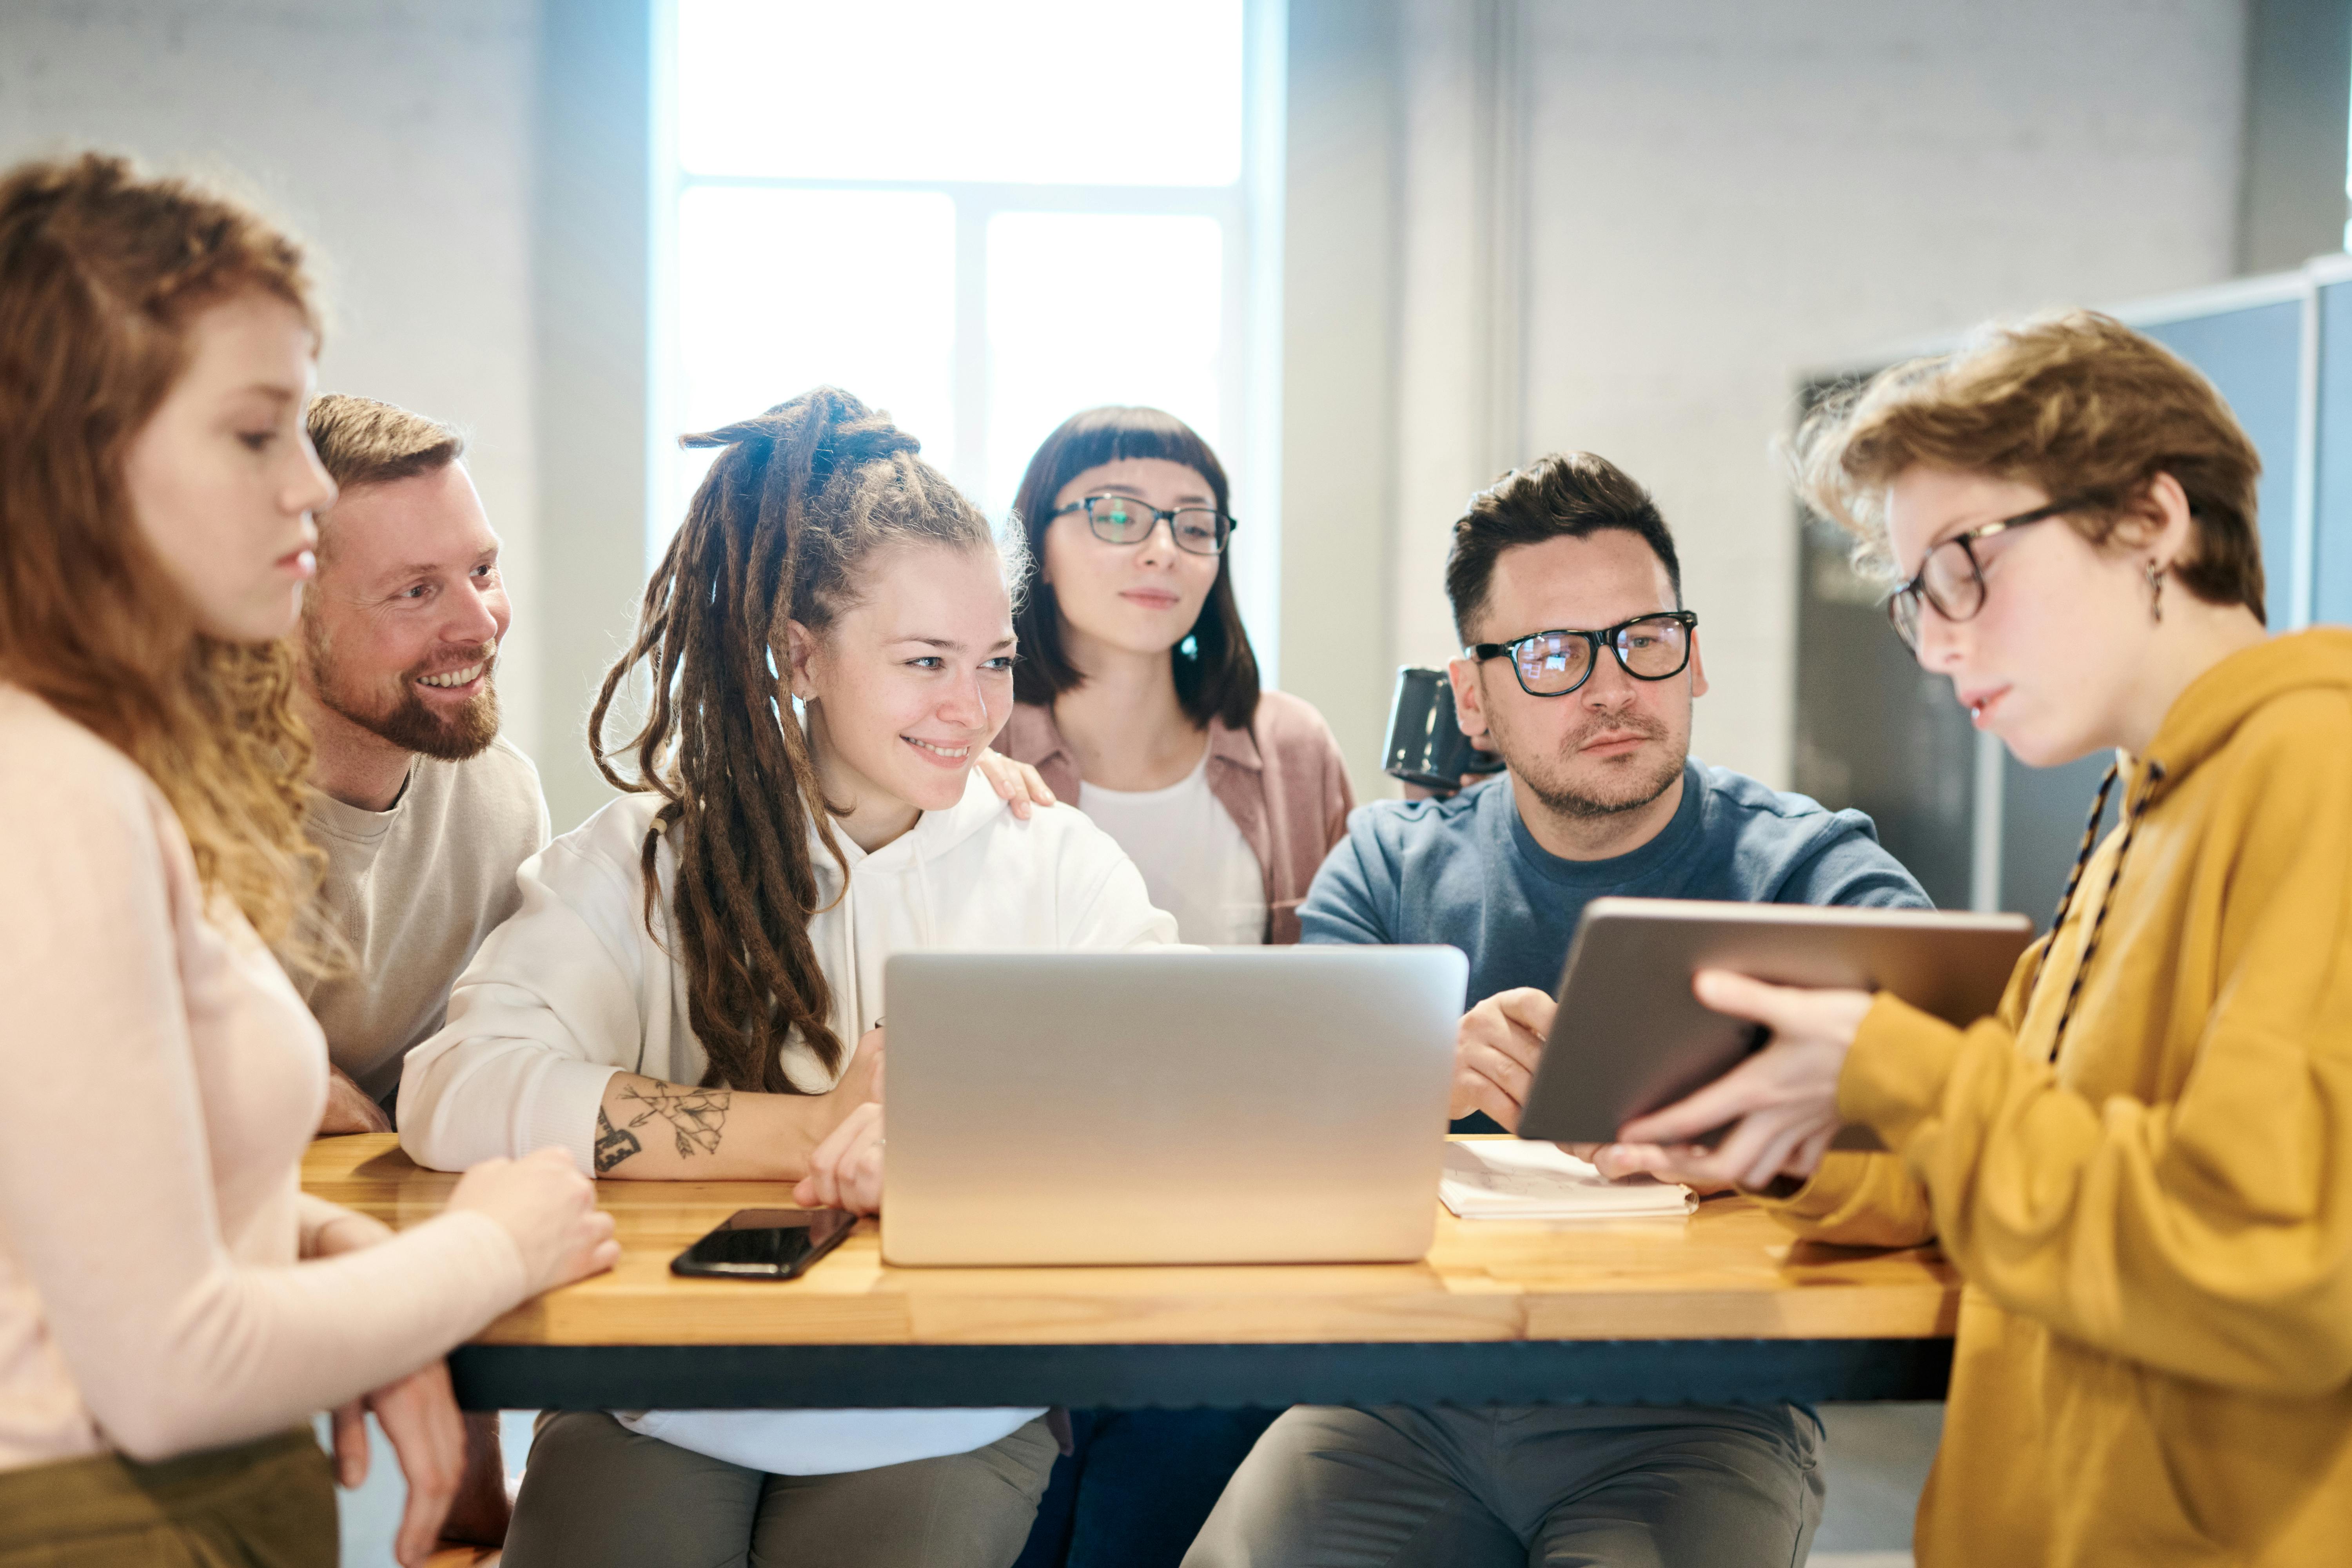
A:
[1248,212]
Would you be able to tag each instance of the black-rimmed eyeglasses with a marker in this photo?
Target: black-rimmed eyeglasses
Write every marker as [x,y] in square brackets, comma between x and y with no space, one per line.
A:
[1123,519]
[1951,578]
[1553,664]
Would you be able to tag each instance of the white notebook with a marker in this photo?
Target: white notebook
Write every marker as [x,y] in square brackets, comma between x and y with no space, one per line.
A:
[1523,1179]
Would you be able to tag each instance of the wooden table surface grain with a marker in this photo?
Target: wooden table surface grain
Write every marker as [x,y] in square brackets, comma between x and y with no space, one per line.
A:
[1726,1272]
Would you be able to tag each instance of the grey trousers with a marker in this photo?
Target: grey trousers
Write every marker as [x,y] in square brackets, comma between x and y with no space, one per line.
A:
[1550,1485]
[596,1493]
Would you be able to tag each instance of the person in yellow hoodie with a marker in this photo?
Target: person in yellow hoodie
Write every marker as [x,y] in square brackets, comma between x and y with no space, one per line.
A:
[2141,1165]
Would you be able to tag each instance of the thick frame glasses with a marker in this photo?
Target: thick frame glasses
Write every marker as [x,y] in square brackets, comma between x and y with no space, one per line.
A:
[1951,579]
[1123,519]
[1553,664]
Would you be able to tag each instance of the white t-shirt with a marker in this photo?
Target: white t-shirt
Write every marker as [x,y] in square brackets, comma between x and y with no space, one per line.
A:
[1195,863]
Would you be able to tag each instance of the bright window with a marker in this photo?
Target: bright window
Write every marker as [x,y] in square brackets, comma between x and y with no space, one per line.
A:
[1086,309]
[1088,92]
[982,215]
[762,313]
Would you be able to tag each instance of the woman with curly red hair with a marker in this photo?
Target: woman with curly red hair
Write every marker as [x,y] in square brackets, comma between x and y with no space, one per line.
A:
[173,1308]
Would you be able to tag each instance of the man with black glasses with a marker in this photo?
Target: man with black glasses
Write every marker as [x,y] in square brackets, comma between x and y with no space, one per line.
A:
[1580,668]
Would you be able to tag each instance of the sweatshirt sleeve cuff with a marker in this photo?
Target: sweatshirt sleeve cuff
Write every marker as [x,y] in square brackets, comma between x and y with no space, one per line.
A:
[492,1259]
[561,1109]
[1824,1196]
[1894,1075]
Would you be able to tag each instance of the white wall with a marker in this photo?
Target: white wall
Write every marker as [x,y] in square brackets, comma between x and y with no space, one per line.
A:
[395,138]
[1719,193]
[1514,226]
[1339,367]
[1457,311]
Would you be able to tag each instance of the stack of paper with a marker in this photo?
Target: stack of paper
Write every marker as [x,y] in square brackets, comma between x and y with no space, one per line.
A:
[1512,1179]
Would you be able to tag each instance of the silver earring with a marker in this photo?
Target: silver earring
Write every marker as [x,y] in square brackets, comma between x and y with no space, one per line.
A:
[2155,592]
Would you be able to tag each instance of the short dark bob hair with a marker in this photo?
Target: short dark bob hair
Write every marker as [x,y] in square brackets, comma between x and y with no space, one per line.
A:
[1566,495]
[1219,678]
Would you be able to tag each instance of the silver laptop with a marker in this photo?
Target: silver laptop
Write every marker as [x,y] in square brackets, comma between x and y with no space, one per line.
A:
[1236,1105]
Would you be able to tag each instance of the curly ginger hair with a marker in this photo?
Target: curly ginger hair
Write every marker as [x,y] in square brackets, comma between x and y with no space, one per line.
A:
[102,272]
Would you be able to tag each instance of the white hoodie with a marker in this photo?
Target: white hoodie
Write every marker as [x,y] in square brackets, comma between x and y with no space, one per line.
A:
[573,988]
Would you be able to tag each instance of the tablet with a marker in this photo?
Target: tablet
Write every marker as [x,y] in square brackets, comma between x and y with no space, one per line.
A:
[1631,1039]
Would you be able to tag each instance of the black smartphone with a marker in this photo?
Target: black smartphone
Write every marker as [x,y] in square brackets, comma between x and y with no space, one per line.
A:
[766,1243]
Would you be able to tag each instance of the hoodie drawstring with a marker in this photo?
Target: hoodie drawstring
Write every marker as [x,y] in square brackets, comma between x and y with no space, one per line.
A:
[2133,811]
[853,990]
[856,981]
[923,897]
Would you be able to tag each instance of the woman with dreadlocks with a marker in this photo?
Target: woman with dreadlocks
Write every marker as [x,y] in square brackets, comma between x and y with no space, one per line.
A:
[692,989]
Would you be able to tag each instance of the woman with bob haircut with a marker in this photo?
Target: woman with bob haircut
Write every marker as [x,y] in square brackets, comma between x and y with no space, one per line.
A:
[2141,1165]
[1139,691]
[173,1308]
[1139,704]
[692,989]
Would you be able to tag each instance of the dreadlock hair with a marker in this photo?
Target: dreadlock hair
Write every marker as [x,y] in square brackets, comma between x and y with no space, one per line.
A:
[797,500]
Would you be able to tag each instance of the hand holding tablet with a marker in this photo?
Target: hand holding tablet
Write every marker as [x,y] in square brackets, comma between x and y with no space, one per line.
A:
[1780,1103]
[1677,1019]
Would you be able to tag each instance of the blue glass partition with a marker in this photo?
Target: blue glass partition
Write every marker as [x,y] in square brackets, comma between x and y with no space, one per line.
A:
[2254,358]
[2331,598]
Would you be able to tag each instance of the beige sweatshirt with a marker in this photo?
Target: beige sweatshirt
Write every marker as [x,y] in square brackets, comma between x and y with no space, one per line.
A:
[163,1079]
[413,890]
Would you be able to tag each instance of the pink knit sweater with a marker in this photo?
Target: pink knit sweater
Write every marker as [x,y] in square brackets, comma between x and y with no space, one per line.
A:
[159,1081]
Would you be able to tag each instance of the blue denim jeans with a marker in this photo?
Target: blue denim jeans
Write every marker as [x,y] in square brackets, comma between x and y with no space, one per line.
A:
[1138,1486]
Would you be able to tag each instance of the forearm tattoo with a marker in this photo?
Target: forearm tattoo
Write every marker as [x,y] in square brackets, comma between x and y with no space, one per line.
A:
[696,1116]
[612,1144]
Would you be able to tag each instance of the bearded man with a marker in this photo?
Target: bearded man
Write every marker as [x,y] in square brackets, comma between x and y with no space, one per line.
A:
[1579,665]
[424,812]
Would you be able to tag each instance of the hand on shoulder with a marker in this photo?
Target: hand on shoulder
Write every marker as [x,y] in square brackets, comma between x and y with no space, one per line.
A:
[1018,784]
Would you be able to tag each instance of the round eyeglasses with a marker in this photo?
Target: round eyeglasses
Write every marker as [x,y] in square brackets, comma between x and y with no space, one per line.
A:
[1123,519]
[1553,664]
[1951,578]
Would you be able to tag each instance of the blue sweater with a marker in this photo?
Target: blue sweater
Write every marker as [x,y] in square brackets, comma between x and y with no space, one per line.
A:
[1466,872]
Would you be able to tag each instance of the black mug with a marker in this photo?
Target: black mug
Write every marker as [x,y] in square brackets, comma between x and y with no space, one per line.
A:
[1426,745]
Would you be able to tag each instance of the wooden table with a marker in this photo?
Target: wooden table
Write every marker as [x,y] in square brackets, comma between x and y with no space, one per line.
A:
[1722,1306]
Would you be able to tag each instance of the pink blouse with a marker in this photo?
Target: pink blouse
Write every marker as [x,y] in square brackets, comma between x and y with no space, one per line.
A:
[1282,780]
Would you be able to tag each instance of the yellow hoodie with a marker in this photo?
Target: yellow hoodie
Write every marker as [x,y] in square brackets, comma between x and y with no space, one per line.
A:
[2155,1233]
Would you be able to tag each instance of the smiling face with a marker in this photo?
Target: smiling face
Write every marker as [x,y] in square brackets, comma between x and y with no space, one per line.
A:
[1615,743]
[401,630]
[2051,661]
[910,684]
[222,478]
[1135,598]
